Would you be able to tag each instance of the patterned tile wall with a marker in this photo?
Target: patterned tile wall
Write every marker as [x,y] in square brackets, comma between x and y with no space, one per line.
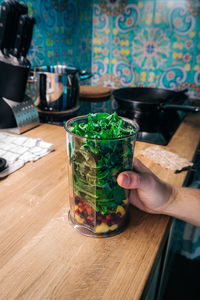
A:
[63,32]
[152,43]
[147,43]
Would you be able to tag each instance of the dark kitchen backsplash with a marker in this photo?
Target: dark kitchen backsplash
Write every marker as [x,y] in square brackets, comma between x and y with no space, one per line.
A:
[125,43]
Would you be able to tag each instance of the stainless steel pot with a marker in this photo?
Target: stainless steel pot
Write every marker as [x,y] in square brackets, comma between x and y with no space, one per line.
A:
[57,87]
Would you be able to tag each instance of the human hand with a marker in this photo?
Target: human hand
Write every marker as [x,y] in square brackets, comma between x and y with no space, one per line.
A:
[147,191]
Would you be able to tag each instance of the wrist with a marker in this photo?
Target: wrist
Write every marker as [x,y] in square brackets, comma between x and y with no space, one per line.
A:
[184,204]
[170,204]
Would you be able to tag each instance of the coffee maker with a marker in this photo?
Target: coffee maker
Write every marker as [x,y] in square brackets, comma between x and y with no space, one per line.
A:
[17,111]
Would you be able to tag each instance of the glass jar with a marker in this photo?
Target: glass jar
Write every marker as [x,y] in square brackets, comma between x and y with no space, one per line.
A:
[98,205]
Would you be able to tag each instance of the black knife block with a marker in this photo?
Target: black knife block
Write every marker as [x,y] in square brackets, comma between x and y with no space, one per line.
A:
[13,79]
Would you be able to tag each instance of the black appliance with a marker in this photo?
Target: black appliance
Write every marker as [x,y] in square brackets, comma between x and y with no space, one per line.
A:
[17,111]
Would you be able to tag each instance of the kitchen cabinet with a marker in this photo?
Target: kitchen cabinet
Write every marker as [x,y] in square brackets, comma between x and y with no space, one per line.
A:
[42,257]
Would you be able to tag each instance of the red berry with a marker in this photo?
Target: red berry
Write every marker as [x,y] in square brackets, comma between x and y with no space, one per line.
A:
[89,210]
[99,218]
[77,212]
[104,221]
[108,217]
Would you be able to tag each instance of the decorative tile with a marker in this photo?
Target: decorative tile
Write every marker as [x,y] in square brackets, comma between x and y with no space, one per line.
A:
[154,43]
[148,43]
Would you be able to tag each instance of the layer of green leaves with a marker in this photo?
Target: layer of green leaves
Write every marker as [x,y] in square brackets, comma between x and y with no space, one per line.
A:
[103,126]
[97,163]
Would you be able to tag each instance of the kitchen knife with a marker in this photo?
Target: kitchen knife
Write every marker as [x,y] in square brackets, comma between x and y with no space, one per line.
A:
[11,12]
[4,15]
[20,35]
[23,8]
[17,10]
[11,25]
[8,28]
[28,33]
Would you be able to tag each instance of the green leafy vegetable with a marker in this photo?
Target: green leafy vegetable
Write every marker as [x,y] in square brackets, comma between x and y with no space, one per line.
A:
[97,159]
[103,126]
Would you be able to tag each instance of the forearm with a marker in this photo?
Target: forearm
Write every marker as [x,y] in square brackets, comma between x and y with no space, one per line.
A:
[184,203]
[150,194]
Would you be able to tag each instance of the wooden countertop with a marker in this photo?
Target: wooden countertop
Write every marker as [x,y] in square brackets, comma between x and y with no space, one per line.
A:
[42,257]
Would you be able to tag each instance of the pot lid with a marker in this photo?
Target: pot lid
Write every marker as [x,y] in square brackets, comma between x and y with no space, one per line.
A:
[59,69]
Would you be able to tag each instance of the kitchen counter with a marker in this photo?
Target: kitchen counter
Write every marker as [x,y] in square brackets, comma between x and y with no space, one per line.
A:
[42,257]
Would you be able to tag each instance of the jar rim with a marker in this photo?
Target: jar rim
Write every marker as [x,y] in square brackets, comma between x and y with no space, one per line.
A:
[84,117]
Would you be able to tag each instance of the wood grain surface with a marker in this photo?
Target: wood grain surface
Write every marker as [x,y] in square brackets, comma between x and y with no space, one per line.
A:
[42,257]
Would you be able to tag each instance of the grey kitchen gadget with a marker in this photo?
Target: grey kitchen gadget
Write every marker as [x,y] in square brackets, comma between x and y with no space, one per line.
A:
[25,114]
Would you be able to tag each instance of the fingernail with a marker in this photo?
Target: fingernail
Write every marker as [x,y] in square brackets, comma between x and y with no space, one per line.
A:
[125,179]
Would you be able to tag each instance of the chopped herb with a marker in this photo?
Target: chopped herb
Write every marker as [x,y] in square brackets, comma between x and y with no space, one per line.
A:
[103,126]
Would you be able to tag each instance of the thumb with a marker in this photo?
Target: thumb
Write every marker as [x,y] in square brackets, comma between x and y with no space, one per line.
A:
[132,180]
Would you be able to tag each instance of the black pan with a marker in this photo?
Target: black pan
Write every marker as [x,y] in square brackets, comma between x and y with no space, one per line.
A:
[152,99]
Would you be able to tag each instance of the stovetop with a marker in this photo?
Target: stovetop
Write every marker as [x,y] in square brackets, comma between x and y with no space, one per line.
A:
[165,128]
[165,132]
[160,130]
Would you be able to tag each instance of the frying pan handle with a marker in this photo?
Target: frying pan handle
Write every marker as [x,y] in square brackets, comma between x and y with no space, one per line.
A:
[186,108]
[83,74]
[182,92]
[178,96]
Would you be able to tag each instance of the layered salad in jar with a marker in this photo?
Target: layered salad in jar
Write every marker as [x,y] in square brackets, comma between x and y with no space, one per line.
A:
[99,147]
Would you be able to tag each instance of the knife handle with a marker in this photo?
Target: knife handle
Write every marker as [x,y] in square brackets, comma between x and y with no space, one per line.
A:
[20,35]
[17,9]
[27,36]
[4,15]
[23,8]
[11,28]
